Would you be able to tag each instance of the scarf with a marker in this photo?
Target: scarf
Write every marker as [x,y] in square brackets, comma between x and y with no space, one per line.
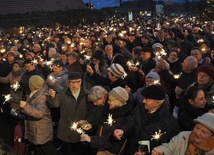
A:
[198,149]
[17,73]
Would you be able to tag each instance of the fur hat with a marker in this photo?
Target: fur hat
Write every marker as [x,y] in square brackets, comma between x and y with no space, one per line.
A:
[119,93]
[153,75]
[208,69]
[155,92]
[116,69]
[207,120]
[157,45]
[74,76]
[36,81]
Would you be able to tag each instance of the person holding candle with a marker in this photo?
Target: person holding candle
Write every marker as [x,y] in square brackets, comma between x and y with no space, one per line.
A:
[198,141]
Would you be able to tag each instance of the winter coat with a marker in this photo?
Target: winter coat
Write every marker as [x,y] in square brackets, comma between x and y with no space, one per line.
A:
[178,145]
[105,81]
[105,139]
[38,123]
[75,67]
[188,113]
[140,125]
[16,95]
[71,110]
[61,80]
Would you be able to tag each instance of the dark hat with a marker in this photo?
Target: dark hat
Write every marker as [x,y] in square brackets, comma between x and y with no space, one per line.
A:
[19,62]
[146,49]
[155,92]
[170,41]
[145,36]
[208,69]
[98,55]
[58,63]
[180,35]
[176,44]
[74,76]
[137,49]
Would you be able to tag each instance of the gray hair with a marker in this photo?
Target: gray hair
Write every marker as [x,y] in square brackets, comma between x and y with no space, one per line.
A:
[193,63]
[96,93]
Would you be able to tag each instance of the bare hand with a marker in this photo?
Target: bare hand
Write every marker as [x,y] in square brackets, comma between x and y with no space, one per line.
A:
[118,133]
[52,93]
[138,153]
[22,104]
[85,138]
[89,69]
[157,151]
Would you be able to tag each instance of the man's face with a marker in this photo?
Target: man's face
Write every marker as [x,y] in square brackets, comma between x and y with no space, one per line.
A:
[196,53]
[150,104]
[57,70]
[145,55]
[29,67]
[75,85]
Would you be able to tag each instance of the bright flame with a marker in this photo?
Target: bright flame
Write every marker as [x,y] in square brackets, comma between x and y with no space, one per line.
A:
[7,98]
[110,120]
[157,135]
[15,86]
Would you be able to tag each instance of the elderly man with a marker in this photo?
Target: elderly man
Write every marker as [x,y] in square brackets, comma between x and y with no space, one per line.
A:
[72,102]
[147,120]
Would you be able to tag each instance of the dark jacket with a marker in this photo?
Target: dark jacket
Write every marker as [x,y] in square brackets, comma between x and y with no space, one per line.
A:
[140,125]
[105,139]
[71,110]
[188,113]
[38,126]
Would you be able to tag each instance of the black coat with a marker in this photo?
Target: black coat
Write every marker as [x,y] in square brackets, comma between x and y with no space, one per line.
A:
[187,114]
[140,125]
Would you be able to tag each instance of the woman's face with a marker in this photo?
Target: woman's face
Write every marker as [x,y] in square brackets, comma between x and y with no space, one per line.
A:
[113,102]
[100,102]
[199,101]
[173,56]
[16,67]
[203,78]
[202,134]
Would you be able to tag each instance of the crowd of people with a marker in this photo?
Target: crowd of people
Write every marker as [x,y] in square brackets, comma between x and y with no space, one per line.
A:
[136,87]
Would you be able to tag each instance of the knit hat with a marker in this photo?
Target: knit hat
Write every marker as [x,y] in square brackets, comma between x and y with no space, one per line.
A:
[19,62]
[155,92]
[119,93]
[157,45]
[98,55]
[145,36]
[176,44]
[153,75]
[74,76]
[36,81]
[208,69]
[146,49]
[207,120]
[116,69]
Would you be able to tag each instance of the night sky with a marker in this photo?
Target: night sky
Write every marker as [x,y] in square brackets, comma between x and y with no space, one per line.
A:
[102,3]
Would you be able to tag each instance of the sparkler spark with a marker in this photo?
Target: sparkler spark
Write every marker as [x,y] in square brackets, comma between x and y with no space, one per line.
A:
[7,98]
[15,86]
[52,78]
[157,135]
[74,127]
[110,120]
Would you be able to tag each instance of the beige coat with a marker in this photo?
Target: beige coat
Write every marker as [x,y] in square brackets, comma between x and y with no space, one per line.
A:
[38,124]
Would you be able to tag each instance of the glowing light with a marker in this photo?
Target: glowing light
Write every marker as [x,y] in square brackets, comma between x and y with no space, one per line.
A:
[177,76]
[7,98]
[74,127]
[157,135]
[15,86]
[110,120]
[52,78]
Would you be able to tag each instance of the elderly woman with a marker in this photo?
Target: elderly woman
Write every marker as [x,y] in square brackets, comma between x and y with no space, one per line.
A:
[198,141]
[118,109]
[205,81]
[38,129]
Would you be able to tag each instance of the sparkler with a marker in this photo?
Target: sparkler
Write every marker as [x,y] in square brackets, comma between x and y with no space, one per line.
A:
[177,76]
[157,135]
[52,78]
[74,127]
[7,98]
[110,120]
[15,86]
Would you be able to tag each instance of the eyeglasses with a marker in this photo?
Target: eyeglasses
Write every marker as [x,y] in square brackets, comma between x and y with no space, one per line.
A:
[74,82]
[114,75]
